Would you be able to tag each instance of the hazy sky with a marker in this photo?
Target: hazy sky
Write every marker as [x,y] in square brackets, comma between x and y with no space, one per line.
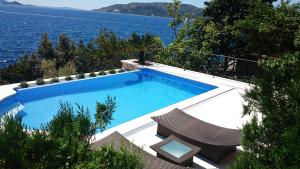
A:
[93,4]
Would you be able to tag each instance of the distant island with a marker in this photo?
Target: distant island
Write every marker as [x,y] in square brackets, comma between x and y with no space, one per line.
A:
[149,9]
[10,3]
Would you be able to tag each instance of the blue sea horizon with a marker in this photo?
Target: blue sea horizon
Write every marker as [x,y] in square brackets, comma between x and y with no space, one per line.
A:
[22,27]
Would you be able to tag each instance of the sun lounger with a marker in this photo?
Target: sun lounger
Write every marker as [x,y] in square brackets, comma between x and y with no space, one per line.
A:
[215,142]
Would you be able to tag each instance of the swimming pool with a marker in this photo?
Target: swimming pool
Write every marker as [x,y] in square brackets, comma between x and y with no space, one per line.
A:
[137,93]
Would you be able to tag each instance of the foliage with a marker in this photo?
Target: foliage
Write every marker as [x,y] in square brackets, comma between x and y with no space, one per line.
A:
[143,43]
[174,12]
[63,142]
[111,48]
[80,76]
[228,11]
[45,49]
[67,57]
[54,80]
[26,68]
[68,78]
[271,140]
[101,73]
[107,158]
[19,149]
[40,81]
[71,133]
[238,29]
[48,68]
[67,70]
[113,71]
[92,74]
[23,85]
[65,50]
[267,31]
[104,112]
[121,70]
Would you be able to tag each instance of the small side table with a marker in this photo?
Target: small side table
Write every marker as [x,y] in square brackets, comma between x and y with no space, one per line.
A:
[176,151]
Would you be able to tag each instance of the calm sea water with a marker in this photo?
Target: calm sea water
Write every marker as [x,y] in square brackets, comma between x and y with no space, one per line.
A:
[21,27]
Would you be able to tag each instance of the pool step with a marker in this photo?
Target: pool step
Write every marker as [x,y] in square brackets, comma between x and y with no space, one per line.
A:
[14,110]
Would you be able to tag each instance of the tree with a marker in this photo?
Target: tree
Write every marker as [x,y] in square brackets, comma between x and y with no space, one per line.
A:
[142,43]
[67,70]
[271,140]
[111,49]
[104,113]
[227,11]
[26,68]
[84,60]
[48,68]
[65,50]
[174,12]
[45,49]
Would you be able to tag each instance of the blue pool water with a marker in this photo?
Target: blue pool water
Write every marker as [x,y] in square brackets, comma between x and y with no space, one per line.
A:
[137,93]
[21,27]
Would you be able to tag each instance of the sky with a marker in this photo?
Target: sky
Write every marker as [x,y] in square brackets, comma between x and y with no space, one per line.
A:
[94,4]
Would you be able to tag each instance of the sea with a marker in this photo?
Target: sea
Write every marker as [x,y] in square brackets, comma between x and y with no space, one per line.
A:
[21,27]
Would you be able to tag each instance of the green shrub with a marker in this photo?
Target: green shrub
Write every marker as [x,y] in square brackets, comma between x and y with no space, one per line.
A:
[80,76]
[68,78]
[121,70]
[109,157]
[102,73]
[92,74]
[23,85]
[54,80]
[40,82]
[62,143]
[113,71]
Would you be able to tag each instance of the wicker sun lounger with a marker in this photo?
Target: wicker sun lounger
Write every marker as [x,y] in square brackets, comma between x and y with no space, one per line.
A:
[215,142]
[149,161]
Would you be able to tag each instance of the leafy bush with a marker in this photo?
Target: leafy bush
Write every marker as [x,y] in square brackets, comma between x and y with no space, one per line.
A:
[23,85]
[92,74]
[102,73]
[68,78]
[67,70]
[104,112]
[276,97]
[113,71]
[64,142]
[109,158]
[40,82]
[54,80]
[121,70]
[80,76]
[48,68]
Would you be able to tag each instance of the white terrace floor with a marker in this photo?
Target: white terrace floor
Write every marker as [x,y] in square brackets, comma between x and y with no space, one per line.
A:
[222,107]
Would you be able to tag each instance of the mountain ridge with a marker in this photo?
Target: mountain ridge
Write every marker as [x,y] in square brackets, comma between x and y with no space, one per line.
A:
[149,9]
[10,3]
